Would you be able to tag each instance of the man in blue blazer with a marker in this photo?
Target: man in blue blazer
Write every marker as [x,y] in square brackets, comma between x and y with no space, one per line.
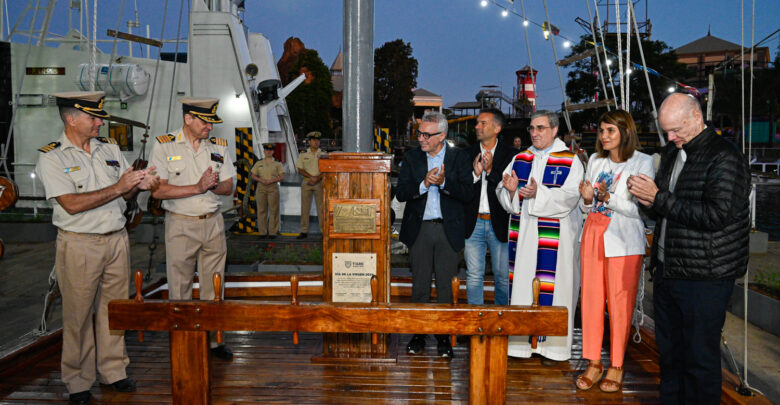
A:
[487,223]
[435,183]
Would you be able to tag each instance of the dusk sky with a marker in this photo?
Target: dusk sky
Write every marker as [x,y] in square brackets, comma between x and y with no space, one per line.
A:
[459,44]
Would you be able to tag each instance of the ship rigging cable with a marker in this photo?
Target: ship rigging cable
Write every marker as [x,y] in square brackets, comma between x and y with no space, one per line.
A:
[620,56]
[175,63]
[598,56]
[647,76]
[557,68]
[606,56]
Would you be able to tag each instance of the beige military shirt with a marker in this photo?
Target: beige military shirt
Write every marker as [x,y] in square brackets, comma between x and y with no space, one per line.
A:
[64,168]
[178,163]
[310,161]
[267,169]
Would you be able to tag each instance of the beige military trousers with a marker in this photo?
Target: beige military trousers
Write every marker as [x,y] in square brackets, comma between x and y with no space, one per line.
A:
[307,191]
[91,270]
[190,242]
[267,200]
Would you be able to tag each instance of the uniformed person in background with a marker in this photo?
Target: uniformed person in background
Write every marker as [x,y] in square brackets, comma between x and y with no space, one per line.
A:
[194,171]
[309,167]
[87,181]
[267,173]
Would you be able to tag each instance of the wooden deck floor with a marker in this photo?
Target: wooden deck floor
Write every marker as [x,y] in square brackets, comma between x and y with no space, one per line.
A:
[268,368]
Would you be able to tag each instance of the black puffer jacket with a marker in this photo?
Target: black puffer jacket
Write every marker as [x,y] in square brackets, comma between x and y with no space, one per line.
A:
[708,217]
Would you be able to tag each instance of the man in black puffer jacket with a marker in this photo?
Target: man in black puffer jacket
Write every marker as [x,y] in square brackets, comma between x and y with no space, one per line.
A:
[701,208]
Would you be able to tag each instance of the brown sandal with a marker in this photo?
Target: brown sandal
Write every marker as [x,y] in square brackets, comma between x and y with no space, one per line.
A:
[609,385]
[585,383]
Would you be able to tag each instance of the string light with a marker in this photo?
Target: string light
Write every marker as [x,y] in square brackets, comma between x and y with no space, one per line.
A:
[670,89]
[568,43]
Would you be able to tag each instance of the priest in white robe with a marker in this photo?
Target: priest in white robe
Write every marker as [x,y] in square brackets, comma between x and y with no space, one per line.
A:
[541,190]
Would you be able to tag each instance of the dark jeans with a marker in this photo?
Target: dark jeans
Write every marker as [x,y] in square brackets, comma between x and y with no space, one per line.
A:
[689,317]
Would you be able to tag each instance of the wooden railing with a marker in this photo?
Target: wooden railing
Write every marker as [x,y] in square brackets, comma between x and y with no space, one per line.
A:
[189,321]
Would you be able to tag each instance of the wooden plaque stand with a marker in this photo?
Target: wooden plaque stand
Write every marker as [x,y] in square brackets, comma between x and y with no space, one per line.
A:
[356,178]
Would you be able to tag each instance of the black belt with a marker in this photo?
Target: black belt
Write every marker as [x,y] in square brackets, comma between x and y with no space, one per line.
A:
[435,221]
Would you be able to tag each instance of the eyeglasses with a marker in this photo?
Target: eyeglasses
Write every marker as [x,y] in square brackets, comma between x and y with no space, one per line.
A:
[539,128]
[425,135]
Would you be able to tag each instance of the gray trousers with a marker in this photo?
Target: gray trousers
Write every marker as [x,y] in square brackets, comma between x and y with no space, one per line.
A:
[431,254]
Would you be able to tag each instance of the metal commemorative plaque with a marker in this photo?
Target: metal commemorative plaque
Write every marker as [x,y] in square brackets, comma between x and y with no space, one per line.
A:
[354,218]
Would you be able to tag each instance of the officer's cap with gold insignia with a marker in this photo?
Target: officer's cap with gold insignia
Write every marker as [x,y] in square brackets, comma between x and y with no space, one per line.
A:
[203,108]
[90,102]
[268,146]
[313,135]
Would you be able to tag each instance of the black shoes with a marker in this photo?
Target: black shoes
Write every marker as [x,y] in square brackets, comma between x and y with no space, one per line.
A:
[263,237]
[271,236]
[80,398]
[416,345]
[444,346]
[302,235]
[123,385]
[222,352]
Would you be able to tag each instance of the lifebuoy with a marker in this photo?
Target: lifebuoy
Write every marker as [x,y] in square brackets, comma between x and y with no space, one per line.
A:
[9,193]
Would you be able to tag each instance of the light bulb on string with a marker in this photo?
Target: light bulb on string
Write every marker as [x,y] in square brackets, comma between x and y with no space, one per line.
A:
[504,13]
[483,3]
[525,23]
[566,44]
[670,89]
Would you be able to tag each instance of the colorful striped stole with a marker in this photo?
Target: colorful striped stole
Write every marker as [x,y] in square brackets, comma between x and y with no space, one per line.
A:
[555,173]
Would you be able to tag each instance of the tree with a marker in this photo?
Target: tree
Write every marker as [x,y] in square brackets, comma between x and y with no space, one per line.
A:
[395,75]
[584,83]
[310,103]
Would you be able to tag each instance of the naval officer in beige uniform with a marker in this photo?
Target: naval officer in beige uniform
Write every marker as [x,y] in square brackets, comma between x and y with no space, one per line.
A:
[87,181]
[267,173]
[309,167]
[194,171]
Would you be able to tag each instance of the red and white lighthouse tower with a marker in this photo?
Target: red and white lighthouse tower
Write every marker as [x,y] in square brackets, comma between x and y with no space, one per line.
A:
[526,85]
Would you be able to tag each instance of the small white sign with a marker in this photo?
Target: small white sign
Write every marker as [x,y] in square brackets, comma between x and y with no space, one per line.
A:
[352,276]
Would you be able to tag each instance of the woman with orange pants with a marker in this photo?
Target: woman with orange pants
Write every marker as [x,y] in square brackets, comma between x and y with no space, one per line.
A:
[612,246]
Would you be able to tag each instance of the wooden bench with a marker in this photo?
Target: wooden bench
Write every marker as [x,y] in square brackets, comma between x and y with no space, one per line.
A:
[189,321]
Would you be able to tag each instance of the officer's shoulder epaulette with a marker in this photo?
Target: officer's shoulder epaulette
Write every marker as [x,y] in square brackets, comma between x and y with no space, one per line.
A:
[165,138]
[49,147]
[218,141]
[106,140]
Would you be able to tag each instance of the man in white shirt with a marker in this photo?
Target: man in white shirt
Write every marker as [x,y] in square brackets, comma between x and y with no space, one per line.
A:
[486,221]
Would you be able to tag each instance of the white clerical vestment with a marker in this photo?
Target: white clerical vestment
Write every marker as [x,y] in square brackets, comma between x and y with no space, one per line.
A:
[555,203]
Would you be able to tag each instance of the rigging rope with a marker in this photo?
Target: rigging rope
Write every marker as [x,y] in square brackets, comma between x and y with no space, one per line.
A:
[528,49]
[742,65]
[175,63]
[156,67]
[753,189]
[93,49]
[116,37]
[606,56]
[557,68]
[620,56]
[628,58]
[598,56]
[647,76]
